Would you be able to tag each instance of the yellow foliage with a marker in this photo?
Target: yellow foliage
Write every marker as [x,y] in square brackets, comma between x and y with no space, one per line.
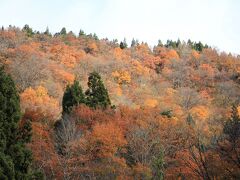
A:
[122,77]
[41,91]
[139,68]
[119,54]
[39,105]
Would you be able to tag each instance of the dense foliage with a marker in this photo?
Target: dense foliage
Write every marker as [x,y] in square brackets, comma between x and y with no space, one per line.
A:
[176,115]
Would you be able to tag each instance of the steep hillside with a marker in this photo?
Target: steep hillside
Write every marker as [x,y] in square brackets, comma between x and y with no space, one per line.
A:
[172,113]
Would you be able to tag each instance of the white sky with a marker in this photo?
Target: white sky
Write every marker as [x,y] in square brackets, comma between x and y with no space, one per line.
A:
[215,22]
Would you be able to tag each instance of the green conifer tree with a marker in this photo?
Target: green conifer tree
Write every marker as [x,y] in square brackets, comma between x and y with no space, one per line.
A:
[63,31]
[81,33]
[47,32]
[15,158]
[28,30]
[160,44]
[73,96]
[97,94]
[133,43]
[123,44]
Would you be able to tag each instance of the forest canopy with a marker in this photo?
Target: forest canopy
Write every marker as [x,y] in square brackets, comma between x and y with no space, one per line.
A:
[81,107]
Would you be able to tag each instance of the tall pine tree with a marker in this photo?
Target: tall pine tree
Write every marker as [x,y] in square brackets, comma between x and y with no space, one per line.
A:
[15,158]
[97,94]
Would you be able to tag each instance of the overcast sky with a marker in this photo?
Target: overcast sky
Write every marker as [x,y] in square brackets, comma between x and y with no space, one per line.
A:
[215,22]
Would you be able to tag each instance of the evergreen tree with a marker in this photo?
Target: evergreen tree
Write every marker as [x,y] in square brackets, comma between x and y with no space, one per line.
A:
[170,43]
[15,158]
[63,31]
[206,46]
[73,96]
[198,46]
[123,44]
[47,32]
[81,33]
[190,43]
[97,94]
[133,43]
[95,37]
[160,44]
[137,42]
[28,30]
[178,43]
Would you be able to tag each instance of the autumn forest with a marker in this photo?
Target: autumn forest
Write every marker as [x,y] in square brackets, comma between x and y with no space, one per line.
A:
[80,107]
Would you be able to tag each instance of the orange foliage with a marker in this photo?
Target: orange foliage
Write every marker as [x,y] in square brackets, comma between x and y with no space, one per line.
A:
[30,49]
[172,54]
[42,146]
[143,49]
[86,117]
[38,105]
[62,75]
[151,103]
[101,138]
[118,90]
[111,138]
[207,68]
[99,149]
[93,47]
[142,172]
[165,53]
[67,55]
[8,35]
[200,112]
[119,54]
[140,69]
[195,54]
[65,76]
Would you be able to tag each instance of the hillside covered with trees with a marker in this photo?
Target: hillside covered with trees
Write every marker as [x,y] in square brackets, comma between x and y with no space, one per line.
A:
[80,107]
